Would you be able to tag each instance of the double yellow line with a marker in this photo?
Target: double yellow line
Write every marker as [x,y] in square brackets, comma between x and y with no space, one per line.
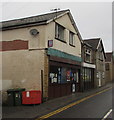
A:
[70,105]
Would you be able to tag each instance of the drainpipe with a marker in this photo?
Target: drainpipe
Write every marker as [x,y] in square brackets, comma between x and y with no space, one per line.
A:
[42,83]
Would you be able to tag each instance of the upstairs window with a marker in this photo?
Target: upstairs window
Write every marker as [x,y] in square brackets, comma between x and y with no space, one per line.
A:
[59,32]
[71,38]
[88,55]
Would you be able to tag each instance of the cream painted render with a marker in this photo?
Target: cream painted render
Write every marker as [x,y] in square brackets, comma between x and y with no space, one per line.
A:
[35,42]
[22,68]
[46,32]
[64,47]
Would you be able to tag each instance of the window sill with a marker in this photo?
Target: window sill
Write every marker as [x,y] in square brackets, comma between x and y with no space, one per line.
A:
[71,45]
[61,40]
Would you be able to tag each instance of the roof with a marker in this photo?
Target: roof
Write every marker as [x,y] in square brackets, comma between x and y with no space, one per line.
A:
[108,57]
[38,20]
[93,42]
[41,19]
[85,43]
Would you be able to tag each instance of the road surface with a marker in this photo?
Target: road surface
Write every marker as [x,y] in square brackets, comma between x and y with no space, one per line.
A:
[97,106]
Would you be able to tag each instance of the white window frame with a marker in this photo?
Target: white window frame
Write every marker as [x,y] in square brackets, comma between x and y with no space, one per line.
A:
[59,32]
[87,52]
[71,38]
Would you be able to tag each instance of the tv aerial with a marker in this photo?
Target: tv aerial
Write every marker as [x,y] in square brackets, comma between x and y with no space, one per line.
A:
[55,9]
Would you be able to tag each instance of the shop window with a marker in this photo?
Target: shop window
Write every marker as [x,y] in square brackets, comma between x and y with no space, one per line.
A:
[53,77]
[53,74]
[76,77]
[62,75]
[59,32]
[68,75]
[83,74]
[87,78]
[87,75]
[71,38]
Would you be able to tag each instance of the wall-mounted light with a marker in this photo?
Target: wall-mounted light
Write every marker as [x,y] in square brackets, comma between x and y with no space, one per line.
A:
[34,32]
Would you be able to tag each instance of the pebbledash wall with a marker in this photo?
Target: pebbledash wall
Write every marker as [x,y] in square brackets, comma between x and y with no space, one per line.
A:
[24,56]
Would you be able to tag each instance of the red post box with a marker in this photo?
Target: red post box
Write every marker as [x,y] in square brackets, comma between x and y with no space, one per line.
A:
[31,97]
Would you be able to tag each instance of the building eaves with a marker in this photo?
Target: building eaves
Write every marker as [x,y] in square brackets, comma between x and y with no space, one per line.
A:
[84,43]
[92,42]
[95,42]
[30,21]
[38,20]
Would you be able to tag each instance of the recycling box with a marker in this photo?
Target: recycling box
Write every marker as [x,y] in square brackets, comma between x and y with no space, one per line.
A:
[31,97]
[15,96]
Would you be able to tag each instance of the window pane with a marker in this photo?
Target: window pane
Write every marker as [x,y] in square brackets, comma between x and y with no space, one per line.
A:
[56,30]
[63,75]
[87,58]
[59,32]
[71,38]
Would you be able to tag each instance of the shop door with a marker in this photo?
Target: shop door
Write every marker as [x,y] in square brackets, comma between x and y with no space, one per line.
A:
[58,87]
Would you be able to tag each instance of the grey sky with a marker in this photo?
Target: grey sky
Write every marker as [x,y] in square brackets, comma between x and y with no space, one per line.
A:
[94,19]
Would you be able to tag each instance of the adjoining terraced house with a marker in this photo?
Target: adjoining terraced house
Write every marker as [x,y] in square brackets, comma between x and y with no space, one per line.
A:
[109,67]
[88,66]
[95,56]
[42,53]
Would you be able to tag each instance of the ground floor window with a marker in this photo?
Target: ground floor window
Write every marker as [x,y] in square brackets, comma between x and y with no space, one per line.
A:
[63,75]
[88,78]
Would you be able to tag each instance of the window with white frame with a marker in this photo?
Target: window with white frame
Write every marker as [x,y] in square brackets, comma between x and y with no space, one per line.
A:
[88,55]
[71,38]
[59,32]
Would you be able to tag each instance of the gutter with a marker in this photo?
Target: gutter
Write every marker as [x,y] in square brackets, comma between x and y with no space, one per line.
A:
[2,28]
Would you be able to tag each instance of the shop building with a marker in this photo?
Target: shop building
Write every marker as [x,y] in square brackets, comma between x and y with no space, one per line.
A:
[99,60]
[88,66]
[41,53]
[64,73]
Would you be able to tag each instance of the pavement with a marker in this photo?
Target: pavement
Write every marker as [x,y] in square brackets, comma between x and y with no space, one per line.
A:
[34,111]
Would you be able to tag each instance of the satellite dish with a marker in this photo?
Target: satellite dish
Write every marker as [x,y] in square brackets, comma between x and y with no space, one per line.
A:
[34,32]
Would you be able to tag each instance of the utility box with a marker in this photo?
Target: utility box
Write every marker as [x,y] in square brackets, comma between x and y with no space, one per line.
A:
[15,96]
[31,97]
[10,100]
